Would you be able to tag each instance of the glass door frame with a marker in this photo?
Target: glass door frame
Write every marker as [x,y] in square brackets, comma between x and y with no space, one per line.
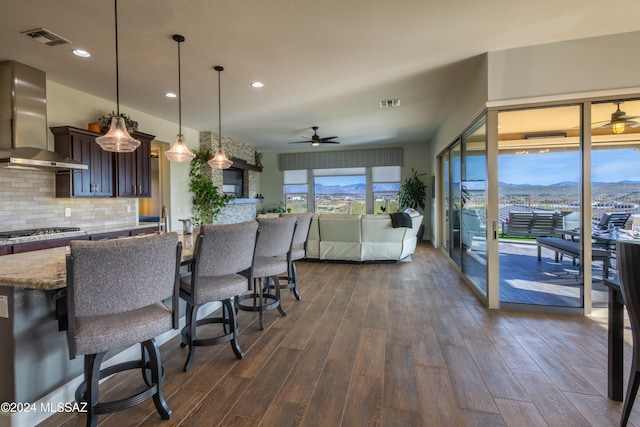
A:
[492,297]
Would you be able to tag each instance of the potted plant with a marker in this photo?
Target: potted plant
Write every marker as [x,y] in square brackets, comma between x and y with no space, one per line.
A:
[413,192]
[207,200]
[105,122]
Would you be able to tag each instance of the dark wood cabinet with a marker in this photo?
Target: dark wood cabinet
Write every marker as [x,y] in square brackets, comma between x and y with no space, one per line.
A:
[80,145]
[144,230]
[109,174]
[108,235]
[133,170]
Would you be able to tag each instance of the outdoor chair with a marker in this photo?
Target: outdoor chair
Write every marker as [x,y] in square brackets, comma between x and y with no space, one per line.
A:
[617,219]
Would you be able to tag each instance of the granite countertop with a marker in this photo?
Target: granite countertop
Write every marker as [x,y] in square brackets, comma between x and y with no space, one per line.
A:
[16,240]
[46,269]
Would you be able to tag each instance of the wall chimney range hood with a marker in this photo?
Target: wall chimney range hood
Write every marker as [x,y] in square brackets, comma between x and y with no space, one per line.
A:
[23,121]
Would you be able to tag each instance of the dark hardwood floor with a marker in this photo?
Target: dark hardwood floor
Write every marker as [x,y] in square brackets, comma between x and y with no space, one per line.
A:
[403,344]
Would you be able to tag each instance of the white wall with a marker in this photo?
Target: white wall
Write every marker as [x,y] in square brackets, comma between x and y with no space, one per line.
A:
[584,65]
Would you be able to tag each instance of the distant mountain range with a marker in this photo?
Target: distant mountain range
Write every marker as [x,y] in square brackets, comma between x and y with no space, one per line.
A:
[341,189]
[611,190]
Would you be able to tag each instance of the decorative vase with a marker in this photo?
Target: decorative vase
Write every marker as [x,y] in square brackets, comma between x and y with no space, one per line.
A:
[95,127]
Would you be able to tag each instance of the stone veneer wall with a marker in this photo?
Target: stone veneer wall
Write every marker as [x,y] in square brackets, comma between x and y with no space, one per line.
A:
[27,200]
[232,148]
[234,213]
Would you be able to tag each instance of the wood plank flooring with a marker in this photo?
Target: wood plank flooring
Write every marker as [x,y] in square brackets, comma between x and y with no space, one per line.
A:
[403,344]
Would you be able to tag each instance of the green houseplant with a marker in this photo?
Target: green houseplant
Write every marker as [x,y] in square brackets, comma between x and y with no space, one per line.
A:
[207,199]
[413,192]
[105,122]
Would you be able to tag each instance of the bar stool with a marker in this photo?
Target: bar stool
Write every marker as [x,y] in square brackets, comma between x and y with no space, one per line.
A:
[116,293]
[272,252]
[628,258]
[298,251]
[222,269]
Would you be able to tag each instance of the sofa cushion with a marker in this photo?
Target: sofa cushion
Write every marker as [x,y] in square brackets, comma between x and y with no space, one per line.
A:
[340,237]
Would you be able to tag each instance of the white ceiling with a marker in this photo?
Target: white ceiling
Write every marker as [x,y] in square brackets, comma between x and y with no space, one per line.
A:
[325,62]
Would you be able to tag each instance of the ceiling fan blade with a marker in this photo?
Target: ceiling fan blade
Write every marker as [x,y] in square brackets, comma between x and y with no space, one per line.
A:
[330,142]
[327,138]
[301,142]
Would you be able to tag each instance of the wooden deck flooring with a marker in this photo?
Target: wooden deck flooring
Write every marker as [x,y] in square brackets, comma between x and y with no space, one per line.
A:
[403,344]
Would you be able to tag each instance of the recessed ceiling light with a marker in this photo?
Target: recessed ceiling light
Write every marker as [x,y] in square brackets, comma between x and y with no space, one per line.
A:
[257,84]
[81,53]
[170,95]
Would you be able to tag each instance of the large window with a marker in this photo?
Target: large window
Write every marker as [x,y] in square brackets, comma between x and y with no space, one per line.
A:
[296,191]
[340,190]
[385,183]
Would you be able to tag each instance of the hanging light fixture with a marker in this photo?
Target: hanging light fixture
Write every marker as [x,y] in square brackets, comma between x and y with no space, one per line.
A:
[618,119]
[117,138]
[220,160]
[179,151]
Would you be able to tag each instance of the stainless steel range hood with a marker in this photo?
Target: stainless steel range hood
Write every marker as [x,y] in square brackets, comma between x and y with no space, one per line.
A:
[23,121]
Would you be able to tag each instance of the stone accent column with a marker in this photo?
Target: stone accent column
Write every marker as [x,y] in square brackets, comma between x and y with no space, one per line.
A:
[232,148]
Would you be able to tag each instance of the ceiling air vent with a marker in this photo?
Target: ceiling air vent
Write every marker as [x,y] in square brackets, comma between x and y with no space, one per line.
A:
[386,103]
[45,36]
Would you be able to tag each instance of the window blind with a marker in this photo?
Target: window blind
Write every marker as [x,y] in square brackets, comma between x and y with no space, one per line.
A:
[342,159]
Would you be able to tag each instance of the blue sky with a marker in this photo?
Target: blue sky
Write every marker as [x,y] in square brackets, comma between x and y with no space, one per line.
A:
[551,168]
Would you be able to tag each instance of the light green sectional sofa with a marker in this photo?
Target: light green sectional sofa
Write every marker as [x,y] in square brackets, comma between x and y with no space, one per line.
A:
[361,237]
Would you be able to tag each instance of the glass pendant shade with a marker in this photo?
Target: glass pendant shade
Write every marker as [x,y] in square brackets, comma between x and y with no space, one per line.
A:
[179,151]
[220,161]
[117,138]
[618,127]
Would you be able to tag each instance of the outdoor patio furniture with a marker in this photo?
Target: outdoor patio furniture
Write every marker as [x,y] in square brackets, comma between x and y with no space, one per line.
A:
[617,219]
[572,249]
[532,224]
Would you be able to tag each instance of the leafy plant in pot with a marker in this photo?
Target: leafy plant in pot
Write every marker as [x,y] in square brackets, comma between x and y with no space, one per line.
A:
[105,122]
[412,194]
[207,200]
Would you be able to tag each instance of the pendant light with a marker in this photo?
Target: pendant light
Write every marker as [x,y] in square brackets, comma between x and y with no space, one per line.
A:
[179,151]
[220,160]
[117,139]
[618,120]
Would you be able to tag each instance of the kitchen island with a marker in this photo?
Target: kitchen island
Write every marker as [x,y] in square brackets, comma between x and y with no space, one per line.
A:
[35,365]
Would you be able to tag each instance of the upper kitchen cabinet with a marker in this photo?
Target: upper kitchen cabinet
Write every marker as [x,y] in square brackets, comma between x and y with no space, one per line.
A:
[80,145]
[133,170]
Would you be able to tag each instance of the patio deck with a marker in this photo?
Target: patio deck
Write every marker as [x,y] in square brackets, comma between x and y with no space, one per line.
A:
[525,280]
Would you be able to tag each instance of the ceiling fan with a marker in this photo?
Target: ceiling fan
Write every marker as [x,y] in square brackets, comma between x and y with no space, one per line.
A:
[315,139]
[619,120]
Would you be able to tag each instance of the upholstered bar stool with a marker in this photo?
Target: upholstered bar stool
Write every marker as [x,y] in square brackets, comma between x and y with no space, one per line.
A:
[116,298]
[272,252]
[222,269]
[298,251]
[628,253]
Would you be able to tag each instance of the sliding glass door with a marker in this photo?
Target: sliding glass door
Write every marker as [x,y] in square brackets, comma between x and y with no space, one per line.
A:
[464,204]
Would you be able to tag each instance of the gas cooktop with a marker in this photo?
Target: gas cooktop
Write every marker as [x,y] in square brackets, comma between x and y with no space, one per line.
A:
[35,232]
